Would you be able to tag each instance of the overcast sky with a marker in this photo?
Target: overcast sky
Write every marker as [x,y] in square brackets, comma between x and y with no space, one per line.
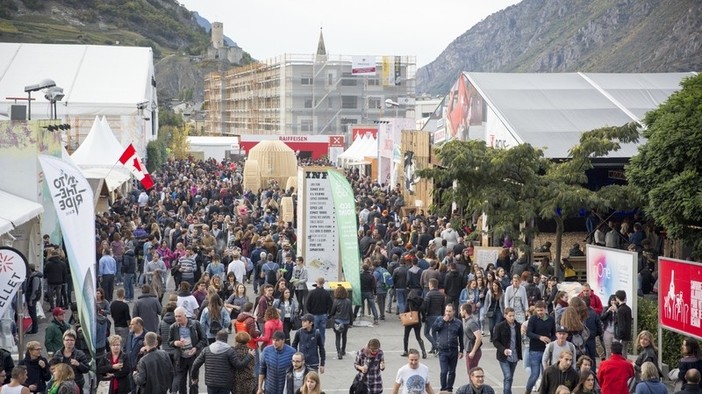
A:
[421,28]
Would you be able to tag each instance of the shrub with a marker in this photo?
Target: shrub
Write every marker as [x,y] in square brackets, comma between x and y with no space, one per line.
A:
[648,320]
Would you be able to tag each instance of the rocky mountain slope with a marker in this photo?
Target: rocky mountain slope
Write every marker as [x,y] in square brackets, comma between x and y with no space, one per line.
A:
[574,35]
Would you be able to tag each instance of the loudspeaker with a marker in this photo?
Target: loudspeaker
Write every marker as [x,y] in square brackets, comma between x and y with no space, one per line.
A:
[18,112]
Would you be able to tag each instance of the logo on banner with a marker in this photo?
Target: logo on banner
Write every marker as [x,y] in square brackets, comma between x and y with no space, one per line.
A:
[336,141]
[13,272]
[69,197]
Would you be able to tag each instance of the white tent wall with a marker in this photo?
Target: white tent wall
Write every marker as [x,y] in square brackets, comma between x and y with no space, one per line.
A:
[113,81]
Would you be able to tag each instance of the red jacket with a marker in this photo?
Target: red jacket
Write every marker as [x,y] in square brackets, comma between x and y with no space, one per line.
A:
[595,302]
[614,373]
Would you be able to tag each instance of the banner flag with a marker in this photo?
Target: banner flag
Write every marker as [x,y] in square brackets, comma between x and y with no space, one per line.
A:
[73,199]
[131,160]
[13,272]
[363,65]
[345,208]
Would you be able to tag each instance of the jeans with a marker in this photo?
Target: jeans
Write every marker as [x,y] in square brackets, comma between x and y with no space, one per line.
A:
[32,308]
[56,296]
[129,287]
[508,373]
[320,323]
[380,299]
[447,362]
[494,320]
[118,274]
[534,362]
[401,300]
[428,332]
[180,381]
[367,296]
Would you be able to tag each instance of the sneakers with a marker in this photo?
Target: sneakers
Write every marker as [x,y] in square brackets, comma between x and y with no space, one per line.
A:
[375,322]
[404,354]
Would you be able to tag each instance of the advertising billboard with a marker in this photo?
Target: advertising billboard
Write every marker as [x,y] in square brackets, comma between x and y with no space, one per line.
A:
[680,296]
[609,270]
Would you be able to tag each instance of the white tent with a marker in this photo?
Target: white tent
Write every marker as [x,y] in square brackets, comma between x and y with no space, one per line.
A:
[15,211]
[98,156]
[113,81]
[361,148]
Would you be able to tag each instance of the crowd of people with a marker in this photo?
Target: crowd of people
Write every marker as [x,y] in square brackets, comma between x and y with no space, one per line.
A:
[197,241]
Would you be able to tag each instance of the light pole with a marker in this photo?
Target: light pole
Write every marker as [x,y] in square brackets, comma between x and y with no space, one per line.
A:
[45,83]
[54,94]
[392,104]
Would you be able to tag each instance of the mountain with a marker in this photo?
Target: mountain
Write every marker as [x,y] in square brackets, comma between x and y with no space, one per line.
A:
[574,35]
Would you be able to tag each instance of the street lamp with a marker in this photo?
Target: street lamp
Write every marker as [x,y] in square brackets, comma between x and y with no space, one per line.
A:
[392,104]
[44,84]
[54,94]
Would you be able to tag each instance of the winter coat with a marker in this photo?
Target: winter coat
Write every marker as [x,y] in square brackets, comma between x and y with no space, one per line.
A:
[148,308]
[83,363]
[129,262]
[159,379]
[274,365]
[104,367]
[36,374]
[220,360]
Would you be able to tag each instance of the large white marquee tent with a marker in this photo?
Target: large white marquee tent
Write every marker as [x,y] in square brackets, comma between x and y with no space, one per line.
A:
[111,81]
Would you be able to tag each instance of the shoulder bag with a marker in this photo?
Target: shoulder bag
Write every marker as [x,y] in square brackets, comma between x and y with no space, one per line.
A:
[409,318]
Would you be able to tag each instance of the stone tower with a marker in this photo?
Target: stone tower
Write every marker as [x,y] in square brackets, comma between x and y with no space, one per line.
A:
[217,35]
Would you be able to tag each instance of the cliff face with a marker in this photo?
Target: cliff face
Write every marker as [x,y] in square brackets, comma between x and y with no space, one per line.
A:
[574,35]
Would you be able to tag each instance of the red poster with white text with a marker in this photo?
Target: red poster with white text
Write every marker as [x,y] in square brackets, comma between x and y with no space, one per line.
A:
[680,296]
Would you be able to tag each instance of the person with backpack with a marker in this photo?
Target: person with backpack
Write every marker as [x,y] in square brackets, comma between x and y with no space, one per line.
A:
[368,288]
[309,342]
[553,349]
[384,283]
[33,296]
[269,271]
[214,318]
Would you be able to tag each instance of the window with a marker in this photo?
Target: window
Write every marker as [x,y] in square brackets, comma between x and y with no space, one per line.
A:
[373,82]
[349,102]
[306,125]
[306,79]
[375,103]
[308,102]
[347,79]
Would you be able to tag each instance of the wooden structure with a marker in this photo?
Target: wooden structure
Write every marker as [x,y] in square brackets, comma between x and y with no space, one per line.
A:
[275,162]
[415,154]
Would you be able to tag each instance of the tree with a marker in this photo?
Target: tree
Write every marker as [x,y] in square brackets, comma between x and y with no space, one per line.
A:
[180,148]
[668,169]
[517,185]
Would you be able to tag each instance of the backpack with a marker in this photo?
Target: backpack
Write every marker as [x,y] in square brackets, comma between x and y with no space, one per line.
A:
[579,338]
[386,278]
[215,324]
[271,276]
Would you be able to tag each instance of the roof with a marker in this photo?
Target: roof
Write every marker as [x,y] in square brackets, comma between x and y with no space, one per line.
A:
[111,78]
[552,110]
[98,156]
[15,211]
[212,140]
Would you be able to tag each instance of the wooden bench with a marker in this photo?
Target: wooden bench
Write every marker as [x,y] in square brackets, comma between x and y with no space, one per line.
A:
[538,257]
[579,264]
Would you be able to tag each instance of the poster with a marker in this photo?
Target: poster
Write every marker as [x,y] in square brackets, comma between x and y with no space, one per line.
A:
[319,229]
[13,272]
[484,255]
[680,296]
[609,270]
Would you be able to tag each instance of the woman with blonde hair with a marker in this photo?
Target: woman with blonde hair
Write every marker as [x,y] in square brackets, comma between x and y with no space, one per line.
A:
[650,382]
[648,352]
[64,380]
[114,367]
[312,384]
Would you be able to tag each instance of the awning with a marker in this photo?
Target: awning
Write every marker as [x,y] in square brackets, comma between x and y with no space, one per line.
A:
[15,211]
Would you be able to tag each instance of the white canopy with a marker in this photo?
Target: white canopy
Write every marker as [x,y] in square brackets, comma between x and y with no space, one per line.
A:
[98,156]
[15,211]
[361,148]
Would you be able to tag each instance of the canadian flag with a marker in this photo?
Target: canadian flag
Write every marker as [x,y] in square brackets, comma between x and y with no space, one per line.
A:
[131,160]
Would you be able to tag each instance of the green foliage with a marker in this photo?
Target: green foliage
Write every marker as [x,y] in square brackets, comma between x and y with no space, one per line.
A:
[668,169]
[7,8]
[648,320]
[34,5]
[166,117]
[156,155]
[180,148]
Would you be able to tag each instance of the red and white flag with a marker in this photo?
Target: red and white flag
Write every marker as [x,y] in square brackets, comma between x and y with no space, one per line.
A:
[131,160]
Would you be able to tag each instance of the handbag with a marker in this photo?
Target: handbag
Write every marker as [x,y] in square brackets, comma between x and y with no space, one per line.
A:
[296,322]
[358,386]
[103,387]
[339,327]
[409,318]
[489,314]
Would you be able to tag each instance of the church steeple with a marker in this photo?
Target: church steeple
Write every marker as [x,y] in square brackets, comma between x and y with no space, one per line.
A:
[321,49]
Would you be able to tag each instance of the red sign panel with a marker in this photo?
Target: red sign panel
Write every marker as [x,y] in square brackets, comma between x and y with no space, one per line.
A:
[336,141]
[357,132]
[680,296]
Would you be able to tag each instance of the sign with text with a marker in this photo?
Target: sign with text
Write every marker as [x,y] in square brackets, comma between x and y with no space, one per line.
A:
[609,270]
[317,229]
[13,272]
[484,255]
[680,296]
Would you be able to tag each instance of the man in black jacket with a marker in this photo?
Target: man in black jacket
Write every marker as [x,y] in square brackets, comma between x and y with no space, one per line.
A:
[319,304]
[453,284]
[220,360]
[368,287]
[434,303]
[399,280]
[507,339]
[449,342]
[622,321]
[560,373]
[153,372]
[56,274]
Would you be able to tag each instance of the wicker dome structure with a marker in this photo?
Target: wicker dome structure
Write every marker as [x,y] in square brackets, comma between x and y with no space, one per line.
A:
[273,160]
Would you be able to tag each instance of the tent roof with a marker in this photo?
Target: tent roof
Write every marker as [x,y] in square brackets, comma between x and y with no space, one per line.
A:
[92,76]
[554,109]
[98,156]
[271,146]
[15,211]
[212,140]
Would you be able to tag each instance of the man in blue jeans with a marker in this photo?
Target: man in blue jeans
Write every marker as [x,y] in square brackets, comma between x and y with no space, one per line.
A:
[434,303]
[319,304]
[508,343]
[449,342]
[368,287]
[541,329]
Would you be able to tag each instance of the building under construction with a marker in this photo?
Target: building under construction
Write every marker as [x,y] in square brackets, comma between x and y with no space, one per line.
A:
[308,94]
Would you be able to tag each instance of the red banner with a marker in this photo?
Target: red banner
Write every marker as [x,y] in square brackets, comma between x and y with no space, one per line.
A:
[357,132]
[680,296]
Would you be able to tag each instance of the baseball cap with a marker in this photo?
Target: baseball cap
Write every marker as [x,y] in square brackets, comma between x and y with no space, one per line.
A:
[561,329]
[58,311]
